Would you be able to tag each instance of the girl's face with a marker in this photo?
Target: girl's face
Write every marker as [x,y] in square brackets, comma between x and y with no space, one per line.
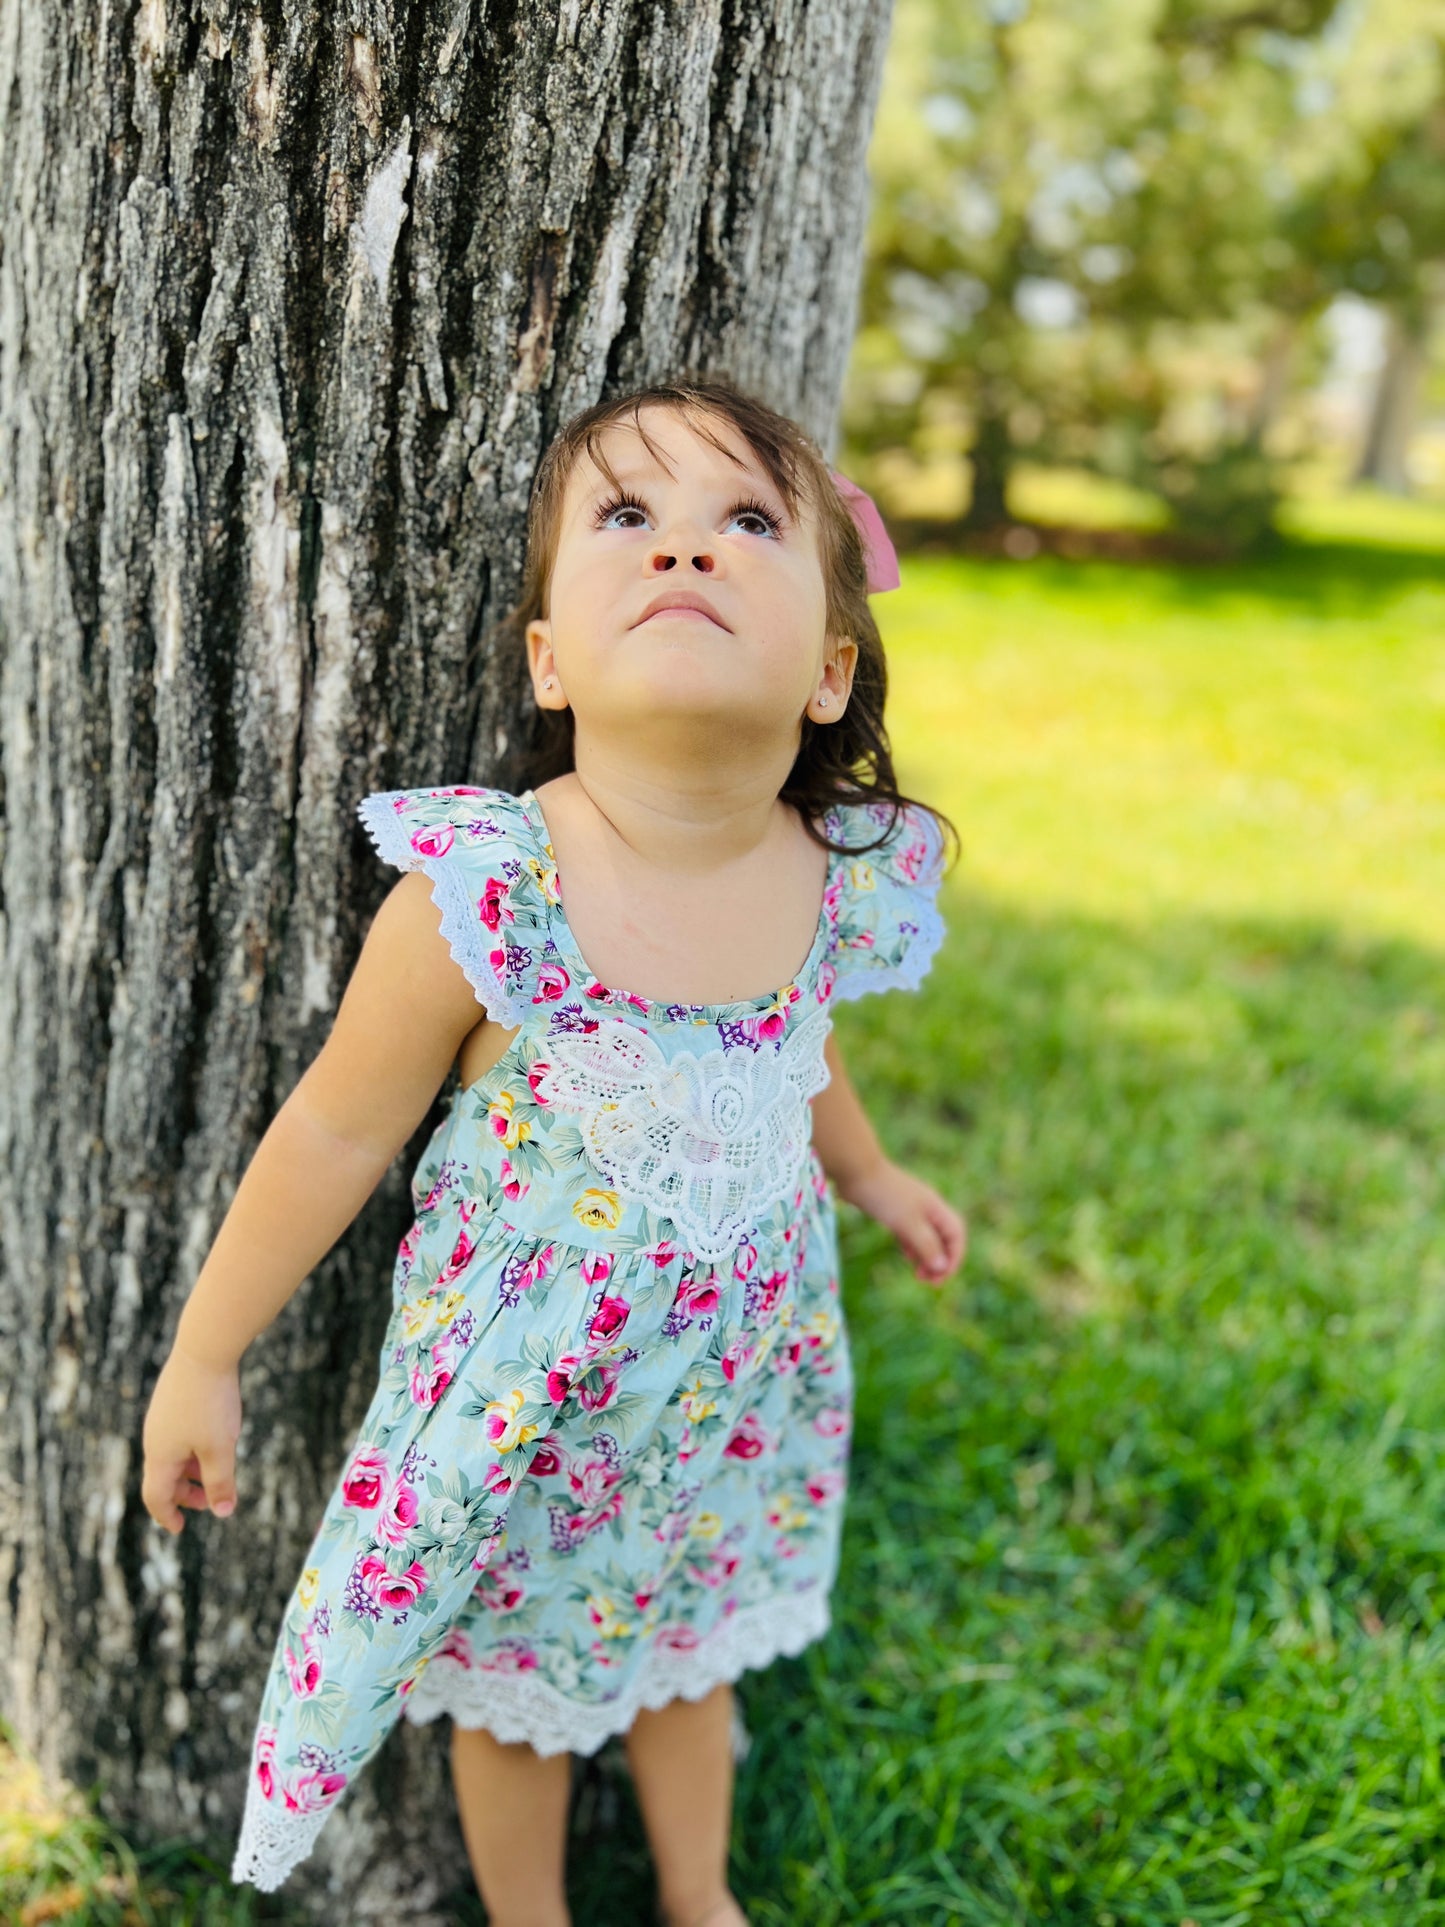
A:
[744,667]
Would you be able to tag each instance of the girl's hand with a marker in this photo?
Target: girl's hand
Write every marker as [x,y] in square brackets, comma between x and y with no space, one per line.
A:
[933,1235]
[189,1438]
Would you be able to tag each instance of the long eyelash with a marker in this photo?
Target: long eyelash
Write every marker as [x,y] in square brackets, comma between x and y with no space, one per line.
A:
[760,509]
[749,506]
[619,501]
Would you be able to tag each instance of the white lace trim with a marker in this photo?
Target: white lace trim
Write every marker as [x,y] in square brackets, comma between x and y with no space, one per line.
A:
[910,970]
[711,1140]
[460,923]
[520,1706]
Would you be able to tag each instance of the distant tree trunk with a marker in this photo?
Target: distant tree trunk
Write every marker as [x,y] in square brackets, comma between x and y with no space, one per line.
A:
[990,459]
[1383,459]
[1274,374]
[292,299]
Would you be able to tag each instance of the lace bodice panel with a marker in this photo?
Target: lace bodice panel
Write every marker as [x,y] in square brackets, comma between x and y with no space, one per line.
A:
[698,1113]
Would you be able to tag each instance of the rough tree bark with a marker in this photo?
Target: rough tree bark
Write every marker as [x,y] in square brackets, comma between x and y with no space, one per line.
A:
[291,299]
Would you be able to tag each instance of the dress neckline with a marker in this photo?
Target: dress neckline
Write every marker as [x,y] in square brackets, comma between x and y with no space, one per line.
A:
[566,941]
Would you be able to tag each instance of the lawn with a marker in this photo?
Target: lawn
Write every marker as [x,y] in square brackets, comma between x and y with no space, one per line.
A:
[1140,1619]
[1140,1612]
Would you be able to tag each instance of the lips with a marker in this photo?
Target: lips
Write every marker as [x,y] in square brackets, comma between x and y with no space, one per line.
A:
[687,605]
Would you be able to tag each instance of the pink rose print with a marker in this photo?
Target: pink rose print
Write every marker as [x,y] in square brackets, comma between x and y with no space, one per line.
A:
[789,1355]
[697,1297]
[676,1638]
[406,1250]
[395,1592]
[511,1658]
[464,1247]
[662,1253]
[594,1481]
[596,1268]
[309,1792]
[435,841]
[432,1373]
[496,1481]
[305,1673]
[716,1569]
[514,1185]
[456,1646]
[500,1591]
[769,1293]
[554,980]
[492,905]
[559,1378]
[608,1319]
[832,1422]
[365,1478]
[745,1261]
[748,1440]
[824,1486]
[550,1457]
[399,1514]
[535,1073]
[265,1759]
[596,1389]
[735,1358]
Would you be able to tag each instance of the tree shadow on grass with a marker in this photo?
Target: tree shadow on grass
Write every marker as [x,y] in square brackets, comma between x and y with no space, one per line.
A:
[1139,1606]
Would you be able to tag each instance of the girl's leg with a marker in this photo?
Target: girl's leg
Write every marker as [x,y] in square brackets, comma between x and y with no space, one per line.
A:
[513,1805]
[681,1760]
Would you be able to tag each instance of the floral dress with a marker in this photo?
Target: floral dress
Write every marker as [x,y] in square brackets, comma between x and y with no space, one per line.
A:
[605,1463]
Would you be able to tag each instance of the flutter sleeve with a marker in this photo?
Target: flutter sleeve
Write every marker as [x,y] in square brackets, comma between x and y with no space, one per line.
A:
[889,924]
[470,842]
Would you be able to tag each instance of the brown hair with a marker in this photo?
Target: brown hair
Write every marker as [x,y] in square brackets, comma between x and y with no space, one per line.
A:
[848,761]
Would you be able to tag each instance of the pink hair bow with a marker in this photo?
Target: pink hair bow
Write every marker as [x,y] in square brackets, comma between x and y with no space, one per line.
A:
[878,552]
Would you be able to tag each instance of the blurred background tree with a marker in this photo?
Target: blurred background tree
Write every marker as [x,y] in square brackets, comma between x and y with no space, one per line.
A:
[1108,236]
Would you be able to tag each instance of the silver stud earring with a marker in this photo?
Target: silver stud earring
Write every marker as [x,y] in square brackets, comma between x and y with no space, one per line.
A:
[822,700]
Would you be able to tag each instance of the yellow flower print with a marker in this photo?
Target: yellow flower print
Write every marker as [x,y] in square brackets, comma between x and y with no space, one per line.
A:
[861,875]
[605,1617]
[695,1405]
[786,1514]
[416,1315]
[308,1587]
[545,875]
[707,1525]
[450,1306]
[511,1130]
[504,1432]
[598,1210]
[822,1325]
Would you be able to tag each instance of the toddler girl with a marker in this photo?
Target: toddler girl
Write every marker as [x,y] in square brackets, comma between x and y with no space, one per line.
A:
[604,1468]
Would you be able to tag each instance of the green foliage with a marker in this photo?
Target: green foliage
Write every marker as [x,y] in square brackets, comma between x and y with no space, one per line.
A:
[1101,234]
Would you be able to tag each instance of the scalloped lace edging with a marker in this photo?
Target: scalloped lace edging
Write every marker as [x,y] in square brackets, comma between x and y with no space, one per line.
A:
[459,922]
[908,973]
[518,1706]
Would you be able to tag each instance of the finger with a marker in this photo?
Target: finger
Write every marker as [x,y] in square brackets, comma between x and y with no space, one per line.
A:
[218,1474]
[156,1497]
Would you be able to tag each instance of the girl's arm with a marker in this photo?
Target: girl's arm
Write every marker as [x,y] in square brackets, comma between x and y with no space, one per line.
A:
[401,1021]
[933,1235]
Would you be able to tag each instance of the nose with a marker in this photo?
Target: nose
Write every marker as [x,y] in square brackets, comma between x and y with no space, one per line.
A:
[663,559]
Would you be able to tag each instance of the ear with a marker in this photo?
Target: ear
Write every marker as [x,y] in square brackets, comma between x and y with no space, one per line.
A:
[542,664]
[835,679]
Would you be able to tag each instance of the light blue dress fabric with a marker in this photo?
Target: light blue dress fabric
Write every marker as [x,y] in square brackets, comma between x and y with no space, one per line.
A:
[605,1464]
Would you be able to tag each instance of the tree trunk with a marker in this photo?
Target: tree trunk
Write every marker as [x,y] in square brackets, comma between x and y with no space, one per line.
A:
[1395,407]
[990,460]
[291,300]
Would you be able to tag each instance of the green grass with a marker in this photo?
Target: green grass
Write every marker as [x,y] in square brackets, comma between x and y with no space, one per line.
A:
[1141,1603]
[1140,1615]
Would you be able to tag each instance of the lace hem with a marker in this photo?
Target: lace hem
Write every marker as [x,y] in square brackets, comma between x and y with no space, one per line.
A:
[518,1706]
[459,922]
[908,973]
